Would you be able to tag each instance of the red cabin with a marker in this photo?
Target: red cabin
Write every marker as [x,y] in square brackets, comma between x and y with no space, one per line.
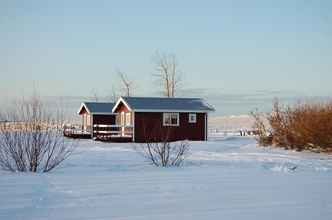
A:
[141,119]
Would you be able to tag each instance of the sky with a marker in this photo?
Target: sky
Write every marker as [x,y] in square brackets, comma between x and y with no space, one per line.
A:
[225,48]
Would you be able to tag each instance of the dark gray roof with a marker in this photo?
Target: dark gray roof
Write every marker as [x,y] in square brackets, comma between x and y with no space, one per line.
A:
[174,104]
[99,107]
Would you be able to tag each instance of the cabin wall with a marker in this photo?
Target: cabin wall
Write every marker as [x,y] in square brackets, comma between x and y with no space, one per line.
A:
[104,119]
[123,120]
[121,108]
[149,126]
[86,119]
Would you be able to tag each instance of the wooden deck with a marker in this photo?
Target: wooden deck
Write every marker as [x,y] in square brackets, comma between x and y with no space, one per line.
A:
[72,132]
[113,133]
[107,133]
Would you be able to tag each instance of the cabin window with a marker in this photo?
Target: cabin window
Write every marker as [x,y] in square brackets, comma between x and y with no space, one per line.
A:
[192,118]
[128,119]
[171,119]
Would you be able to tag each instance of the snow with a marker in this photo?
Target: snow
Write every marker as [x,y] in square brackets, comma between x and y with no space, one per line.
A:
[224,178]
[232,122]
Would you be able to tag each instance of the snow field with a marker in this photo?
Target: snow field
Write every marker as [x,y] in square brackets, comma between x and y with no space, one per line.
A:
[224,178]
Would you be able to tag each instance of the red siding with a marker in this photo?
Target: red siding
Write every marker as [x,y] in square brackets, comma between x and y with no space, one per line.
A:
[121,108]
[150,126]
[83,111]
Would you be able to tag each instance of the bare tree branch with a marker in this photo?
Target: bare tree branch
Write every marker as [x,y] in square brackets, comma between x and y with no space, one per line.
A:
[95,95]
[167,73]
[114,95]
[126,84]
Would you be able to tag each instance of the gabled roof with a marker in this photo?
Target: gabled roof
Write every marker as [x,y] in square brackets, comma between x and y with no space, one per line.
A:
[158,104]
[97,107]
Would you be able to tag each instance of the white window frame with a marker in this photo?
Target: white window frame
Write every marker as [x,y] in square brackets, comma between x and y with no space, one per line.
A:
[194,119]
[169,115]
[128,119]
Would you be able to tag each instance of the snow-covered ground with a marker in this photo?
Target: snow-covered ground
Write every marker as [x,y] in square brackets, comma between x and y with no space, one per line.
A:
[225,178]
[232,122]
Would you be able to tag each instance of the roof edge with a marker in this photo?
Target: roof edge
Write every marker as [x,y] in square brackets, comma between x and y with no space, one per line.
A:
[173,110]
[121,99]
[83,105]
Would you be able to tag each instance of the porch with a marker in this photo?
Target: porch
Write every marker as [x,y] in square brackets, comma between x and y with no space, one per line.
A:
[113,133]
[76,131]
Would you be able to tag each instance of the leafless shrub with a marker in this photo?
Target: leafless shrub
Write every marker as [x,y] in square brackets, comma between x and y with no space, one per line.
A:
[32,139]
[163,153]
[263,134]
[303,126]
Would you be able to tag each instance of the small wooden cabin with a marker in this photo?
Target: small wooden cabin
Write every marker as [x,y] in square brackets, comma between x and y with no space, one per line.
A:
[141,119]
[157,119]
[94,114]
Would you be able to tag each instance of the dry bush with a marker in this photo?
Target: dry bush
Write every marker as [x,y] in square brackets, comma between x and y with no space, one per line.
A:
[32,139]
[264,136]
[162,153]
[305,126]
[165,154]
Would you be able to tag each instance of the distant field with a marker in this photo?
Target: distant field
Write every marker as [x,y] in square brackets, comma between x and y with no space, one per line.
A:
[231,122]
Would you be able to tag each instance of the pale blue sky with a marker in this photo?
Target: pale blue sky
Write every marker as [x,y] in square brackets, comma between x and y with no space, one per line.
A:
[69,48]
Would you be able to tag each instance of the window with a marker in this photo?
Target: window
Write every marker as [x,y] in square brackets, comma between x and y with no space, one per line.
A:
[171,119]
[128,119]
[192,118]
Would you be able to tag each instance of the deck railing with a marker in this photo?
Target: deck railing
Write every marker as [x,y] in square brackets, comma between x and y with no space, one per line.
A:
[100,132]
[76,131]
[113,130]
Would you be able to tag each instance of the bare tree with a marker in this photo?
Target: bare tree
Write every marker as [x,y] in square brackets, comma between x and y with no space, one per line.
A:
[114,95]
[95,95]
[32,139]
[126,84]
[167,73]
